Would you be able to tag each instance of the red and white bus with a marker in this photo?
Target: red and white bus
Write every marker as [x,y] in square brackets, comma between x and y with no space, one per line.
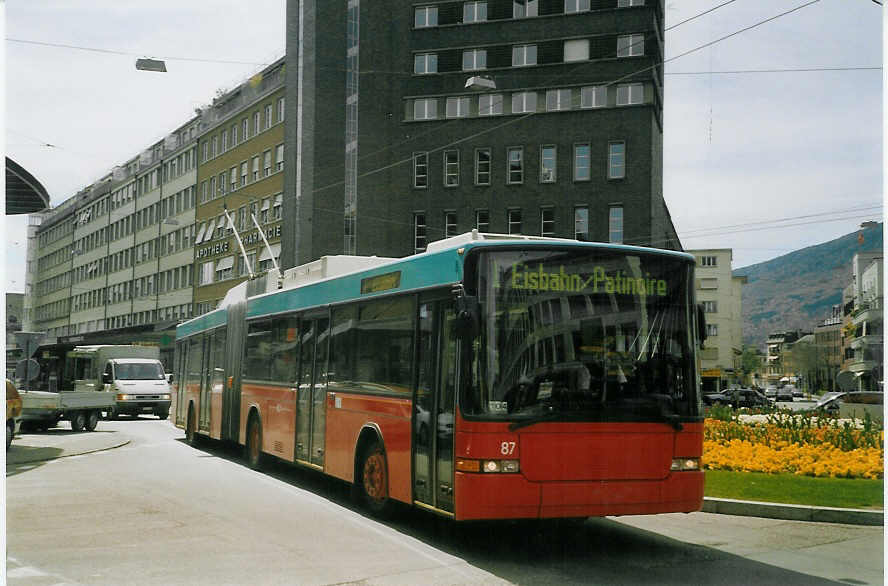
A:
[490,377]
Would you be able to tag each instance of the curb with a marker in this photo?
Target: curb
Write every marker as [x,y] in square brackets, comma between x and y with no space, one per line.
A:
[793,512]
[15,459]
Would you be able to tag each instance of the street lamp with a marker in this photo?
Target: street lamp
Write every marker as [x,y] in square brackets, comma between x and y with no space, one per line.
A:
[151,65]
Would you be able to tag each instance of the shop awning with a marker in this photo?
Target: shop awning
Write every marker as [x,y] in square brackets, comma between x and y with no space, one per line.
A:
[225,263]
[275,248]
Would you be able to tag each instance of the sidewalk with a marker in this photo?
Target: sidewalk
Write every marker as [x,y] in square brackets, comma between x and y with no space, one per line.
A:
[63,443]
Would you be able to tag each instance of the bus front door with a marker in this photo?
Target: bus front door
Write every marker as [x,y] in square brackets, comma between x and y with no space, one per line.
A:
[314,337]
[433,407]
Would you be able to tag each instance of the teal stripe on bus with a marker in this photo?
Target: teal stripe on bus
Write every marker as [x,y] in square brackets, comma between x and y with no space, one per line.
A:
[419,272]
[202,323]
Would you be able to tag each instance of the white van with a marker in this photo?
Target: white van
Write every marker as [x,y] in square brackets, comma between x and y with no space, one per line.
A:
[140,385]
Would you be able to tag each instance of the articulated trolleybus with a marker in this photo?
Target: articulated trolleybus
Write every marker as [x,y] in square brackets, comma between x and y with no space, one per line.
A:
[489,377]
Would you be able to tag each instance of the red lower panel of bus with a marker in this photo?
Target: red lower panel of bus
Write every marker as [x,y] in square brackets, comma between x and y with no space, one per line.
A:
[511,496]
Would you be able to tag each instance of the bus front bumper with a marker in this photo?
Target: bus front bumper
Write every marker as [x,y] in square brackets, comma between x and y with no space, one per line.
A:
[511,496]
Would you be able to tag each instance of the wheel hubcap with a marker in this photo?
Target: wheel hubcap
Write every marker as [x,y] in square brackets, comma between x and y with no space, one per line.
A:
[374,476]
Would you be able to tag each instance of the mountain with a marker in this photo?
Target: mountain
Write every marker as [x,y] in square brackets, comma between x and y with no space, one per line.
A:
[797,290]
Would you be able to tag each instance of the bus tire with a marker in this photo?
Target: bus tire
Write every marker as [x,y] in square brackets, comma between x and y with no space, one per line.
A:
[253,447]
[78,421]
[191,426]
[92,419]
[372,484]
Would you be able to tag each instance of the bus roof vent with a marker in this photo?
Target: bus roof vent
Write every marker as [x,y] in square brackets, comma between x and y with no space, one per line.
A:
[330,266]
[475,236]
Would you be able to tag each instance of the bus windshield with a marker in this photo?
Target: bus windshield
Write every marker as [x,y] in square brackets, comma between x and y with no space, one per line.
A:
[580,336]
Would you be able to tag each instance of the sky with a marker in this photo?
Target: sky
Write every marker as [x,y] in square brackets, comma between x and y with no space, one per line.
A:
[763,162]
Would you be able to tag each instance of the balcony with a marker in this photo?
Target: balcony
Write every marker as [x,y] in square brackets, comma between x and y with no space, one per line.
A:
[862,342]
[868,312]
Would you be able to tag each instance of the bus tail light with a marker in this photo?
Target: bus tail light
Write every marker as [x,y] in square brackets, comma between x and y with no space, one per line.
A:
[685,464]
[487,466]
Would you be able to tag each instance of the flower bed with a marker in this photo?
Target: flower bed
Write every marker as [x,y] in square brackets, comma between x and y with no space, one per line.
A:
[796,444]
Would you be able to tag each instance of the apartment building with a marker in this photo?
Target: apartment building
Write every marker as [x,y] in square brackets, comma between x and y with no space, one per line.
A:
[563,139]
[118,254]
[863,329]
[241,170]
[719,292]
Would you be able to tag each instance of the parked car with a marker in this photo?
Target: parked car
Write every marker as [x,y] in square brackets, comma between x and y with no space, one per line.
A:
[784,394]
[771,392]
[836,400]
[13,412]
[737,398]
[797,392]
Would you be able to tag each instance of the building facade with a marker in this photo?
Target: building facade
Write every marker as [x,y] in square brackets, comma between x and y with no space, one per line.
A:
[863,330]
[241,170]
[565,138]
[720,294]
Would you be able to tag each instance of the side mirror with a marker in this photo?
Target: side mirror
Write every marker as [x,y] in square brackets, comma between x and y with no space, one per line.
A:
[169,378]
[468,313]
[701,324]
[106,378]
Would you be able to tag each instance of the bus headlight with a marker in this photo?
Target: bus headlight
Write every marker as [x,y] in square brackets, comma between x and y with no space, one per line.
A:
[487,466]
[685,464]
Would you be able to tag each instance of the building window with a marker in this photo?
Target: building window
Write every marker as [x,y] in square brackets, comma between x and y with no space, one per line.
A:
[558,100]
[576,50]
[710,307]
[515,156]
[523,55]
[256,123]
[616,160]
[280,108]
[205,277]
[630,93]
[451,168]
[615,225]
[244,169]
[474,59]
[523,102]
[708,261]
[490,104]
[594,96]
[474,11]
[279,157]
[571,6]
[425,16]
[245,129]
[547,164]
[419,233]
[457,107]
[628,3]
[224,268]
[514,221]
[256,168]
[547,222]
[482,220]
[630,45]
[482,167]
[420,170]
[450,228]
[425,63]
[266,168]
[581,162]
[232,177]
[267,116]
[224,140]
[525,8]
[711,330]
[425,109]
[581,223]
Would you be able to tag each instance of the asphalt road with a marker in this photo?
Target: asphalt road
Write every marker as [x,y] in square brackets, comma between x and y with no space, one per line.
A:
[157,511]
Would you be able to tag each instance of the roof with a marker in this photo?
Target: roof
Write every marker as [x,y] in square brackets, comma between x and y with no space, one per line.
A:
[24,194]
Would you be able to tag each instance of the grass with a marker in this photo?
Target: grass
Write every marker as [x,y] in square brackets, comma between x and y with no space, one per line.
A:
[800,490]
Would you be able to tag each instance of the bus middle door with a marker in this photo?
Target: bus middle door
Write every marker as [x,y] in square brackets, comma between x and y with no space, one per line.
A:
[314,337]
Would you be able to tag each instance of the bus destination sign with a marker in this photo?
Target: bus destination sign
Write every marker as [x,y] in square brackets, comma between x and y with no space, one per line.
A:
[380,283]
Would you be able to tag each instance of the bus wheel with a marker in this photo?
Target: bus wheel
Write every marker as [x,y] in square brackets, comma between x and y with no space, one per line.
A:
[254,444]
[92,420]
[374,479]
[191,427]
[78,421]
